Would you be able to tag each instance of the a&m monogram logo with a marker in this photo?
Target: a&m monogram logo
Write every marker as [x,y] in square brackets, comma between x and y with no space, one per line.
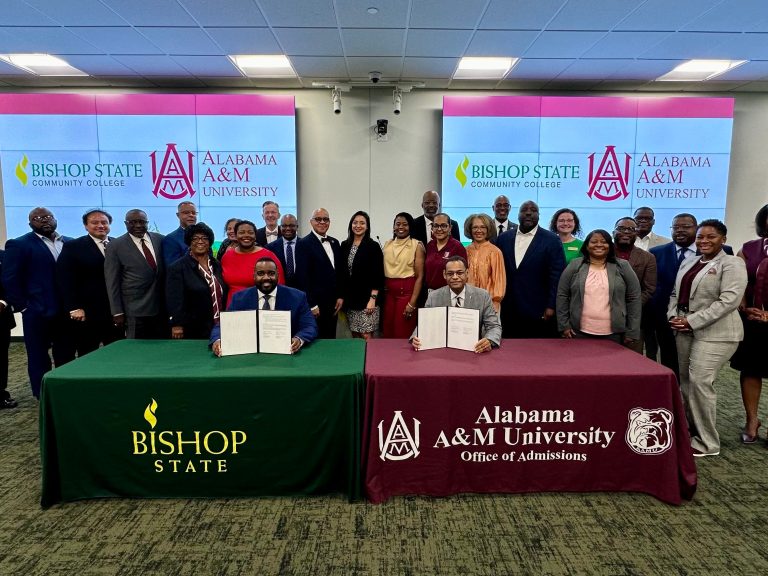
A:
[399,443]
[650,431]
[609,181]
[172,180]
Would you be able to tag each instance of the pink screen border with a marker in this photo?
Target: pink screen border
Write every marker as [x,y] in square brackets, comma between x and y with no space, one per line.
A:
[149,104]
[587,107]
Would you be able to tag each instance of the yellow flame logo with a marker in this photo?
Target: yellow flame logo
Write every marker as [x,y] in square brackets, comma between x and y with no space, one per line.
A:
[461,174]
[149,413]
[20,170]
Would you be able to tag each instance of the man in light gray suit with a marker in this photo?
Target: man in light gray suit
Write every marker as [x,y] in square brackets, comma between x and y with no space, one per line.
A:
[133,270]
[459,293]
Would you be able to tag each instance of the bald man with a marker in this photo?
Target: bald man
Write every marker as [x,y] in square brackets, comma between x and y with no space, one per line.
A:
[422,228]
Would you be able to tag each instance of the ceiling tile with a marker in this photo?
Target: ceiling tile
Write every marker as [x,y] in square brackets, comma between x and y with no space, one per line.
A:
[645,69]
[686,45]
[214,82]
[500,43]
[224,12]
[520,14]
[322,67]
[456,14]
[117,40]
[76,12]
[153,65]
[183,41]
[730,16]
[359,67]
[418,68]
[562,44]
[99,65]
[665,15]
[354,13]
[245,40]
[301,14]
[750,71]
[150,12]
[473,84]
[750,46]
[208,65]
[49,40]
[624,44]
[309,41]
[521,84]
[373,42]
[591,14]
[19,13]
[539,68]
[436,43]
[593,69]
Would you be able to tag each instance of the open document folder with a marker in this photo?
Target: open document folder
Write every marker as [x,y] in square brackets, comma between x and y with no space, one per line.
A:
[448,327]
[255,331]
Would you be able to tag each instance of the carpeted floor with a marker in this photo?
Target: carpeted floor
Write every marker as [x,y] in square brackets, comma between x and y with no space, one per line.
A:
[723,531]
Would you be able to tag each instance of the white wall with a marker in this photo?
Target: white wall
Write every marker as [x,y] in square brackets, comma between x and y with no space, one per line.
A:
[343,168]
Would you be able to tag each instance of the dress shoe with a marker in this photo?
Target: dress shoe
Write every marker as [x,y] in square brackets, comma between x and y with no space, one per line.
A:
[6,403]
[700,454]
[750,439]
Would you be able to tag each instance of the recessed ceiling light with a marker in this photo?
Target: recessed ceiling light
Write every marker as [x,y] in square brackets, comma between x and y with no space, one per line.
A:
[41,64]
[699,70]
[264,66]
[484,68]
[373,10]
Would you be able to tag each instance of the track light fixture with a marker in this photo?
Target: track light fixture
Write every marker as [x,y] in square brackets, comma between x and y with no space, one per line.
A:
[336,99]
[397,100]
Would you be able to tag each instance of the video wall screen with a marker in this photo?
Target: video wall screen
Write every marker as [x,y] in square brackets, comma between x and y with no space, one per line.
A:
[70,152]
[602,157]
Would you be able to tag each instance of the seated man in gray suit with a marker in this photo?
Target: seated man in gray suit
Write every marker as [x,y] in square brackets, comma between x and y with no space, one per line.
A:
[459,293]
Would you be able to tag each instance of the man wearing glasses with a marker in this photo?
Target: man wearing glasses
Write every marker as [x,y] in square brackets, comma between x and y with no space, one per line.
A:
[501,208]
[317,256]
[462,295]
[285,248]
[643,264]
[29,279]
[133,269]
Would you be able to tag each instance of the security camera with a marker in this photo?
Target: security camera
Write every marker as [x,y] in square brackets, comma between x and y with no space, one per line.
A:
[397,101]
[374,77]
[381,126]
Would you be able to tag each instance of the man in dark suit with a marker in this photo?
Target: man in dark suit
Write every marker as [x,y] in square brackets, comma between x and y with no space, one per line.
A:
[270,212]
[317,256]
[643,265]
[7,323]
[133,270]
[422,228]
[267,295]
[501,219]
[173,244]
[533,260]
[285,248]
[29,277]
[80,274]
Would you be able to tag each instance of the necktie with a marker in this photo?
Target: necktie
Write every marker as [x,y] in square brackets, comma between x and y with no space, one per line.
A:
[501,228]
[325,239]
[148,255]
[266,305]
[289,259]
[681,256]
[104,246]
[458,302]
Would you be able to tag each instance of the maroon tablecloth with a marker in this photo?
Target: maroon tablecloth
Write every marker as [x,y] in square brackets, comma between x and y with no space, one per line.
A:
[532,416]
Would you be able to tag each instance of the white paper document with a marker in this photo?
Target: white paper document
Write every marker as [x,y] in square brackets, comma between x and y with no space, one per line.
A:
[238,333]
[463,328]
[275,331]
[431,328]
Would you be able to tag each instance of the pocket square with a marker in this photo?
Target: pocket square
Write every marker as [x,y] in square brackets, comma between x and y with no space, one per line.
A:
[711,271]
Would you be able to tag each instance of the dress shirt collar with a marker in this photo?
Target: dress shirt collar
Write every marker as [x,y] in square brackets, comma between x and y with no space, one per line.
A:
[462,295]
[531,232]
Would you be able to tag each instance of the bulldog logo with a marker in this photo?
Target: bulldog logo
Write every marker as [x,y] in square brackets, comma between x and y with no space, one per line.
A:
[649,431]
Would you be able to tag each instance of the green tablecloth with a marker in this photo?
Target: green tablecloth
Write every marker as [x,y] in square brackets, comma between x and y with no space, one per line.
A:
[144,418]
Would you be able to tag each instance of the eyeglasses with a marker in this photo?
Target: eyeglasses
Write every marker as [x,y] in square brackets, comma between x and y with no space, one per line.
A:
[135,222]
[200,239]
[625,229]
[441,226]
[46,218]
[479,228]
[321,219]
[452,273]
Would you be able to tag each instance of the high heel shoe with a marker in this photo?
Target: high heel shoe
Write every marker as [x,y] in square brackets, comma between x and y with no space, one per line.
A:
[750,439]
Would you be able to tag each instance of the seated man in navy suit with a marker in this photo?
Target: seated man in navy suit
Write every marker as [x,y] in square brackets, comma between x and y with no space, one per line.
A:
[268,295]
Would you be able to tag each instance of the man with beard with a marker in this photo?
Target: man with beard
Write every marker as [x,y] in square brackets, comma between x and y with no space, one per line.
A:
[267,295]
[643,264]
[80,273]
[133,270]
[285,248]
[646,237]
[29,278]
[534,261]
[422,229]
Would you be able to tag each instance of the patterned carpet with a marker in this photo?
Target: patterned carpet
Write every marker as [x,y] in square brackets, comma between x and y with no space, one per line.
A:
[723,531]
